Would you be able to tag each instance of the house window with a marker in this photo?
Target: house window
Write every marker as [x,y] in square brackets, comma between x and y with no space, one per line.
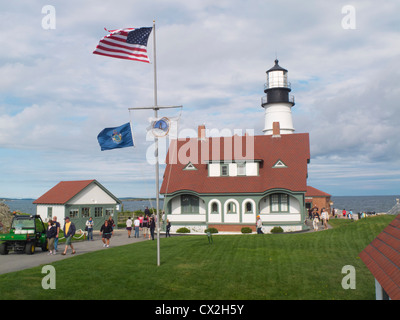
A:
[249,207]
[85,212]
[231,207]
[50,212]
[241,169]
[214,207]
[225,170]
[98,212]
[279,202]
[109,211]
[73,213]
[189,204]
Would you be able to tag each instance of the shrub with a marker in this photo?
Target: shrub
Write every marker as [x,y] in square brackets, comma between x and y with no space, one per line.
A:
[276,230]
[246,230]
[211,230]
[183,230]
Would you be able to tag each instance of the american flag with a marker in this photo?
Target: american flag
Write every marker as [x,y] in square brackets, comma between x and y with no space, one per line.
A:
[127,43]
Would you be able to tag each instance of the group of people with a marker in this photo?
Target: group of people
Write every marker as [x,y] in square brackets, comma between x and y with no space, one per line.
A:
[53,231]
[54,227]
[316,217]
[147,224]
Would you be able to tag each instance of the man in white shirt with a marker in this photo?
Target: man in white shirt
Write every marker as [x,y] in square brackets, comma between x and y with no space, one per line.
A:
[137,225]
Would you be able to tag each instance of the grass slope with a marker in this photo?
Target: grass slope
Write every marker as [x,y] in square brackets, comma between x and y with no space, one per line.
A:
[277,266]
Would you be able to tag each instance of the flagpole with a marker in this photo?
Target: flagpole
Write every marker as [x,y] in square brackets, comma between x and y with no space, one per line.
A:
[156,107]
[156,145]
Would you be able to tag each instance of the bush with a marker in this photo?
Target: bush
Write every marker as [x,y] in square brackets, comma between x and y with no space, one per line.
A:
[211,230]
[183,230]
[276,230]
[246,230]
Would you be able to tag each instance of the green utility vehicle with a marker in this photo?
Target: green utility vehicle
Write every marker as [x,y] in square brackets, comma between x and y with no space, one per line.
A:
[27,232]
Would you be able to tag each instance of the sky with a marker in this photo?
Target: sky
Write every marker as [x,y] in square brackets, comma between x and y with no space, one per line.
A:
[342,57]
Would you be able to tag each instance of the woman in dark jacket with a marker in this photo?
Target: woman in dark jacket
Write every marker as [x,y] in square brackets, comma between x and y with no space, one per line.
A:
[107,230]
[51,236]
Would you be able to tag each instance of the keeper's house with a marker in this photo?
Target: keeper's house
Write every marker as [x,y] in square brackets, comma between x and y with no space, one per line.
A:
[78,200]
[225,182]
[221,190]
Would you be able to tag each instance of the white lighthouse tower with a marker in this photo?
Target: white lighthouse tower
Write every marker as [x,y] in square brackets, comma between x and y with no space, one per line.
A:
[278,102]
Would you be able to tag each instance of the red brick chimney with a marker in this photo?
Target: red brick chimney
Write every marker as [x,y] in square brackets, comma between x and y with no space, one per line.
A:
[201,132]
[276,129]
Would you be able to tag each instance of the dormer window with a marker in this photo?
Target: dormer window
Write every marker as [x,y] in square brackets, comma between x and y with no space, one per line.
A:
[241,169]
[225,170]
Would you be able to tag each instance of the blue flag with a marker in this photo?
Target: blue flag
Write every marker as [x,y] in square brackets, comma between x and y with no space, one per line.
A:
[118,137]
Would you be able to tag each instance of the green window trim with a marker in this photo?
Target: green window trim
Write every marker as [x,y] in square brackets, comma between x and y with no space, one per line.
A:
[224,170]
[190,204]
[231,208]
[214,207]
[279,202]
[248,210]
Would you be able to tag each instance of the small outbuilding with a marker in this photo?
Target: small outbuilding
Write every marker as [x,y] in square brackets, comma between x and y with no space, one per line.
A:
[382,258]
[78,200]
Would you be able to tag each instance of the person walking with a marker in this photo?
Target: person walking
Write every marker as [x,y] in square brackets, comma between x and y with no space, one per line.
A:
[51,235]
[89,228]
[69,231]
[57,225]
[111,224]
[129,226]
[315,222]
[259,225]
[325,218]
[152,227]
[146,227]
[107,231]
[167,229]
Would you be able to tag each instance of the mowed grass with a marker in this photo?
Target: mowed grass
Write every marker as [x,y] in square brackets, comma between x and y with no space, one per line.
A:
[304,266]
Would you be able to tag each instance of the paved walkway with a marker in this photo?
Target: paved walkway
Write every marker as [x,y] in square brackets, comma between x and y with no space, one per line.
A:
[20,261]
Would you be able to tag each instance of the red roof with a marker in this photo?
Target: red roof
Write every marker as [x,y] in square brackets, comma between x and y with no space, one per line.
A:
[382,257]
[291,149]
[313,192]
[63,192]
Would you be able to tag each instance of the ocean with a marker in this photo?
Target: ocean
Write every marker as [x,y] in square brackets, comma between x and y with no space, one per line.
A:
[379,204]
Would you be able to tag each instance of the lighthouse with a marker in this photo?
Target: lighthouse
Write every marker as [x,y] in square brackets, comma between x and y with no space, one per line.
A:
[278,102]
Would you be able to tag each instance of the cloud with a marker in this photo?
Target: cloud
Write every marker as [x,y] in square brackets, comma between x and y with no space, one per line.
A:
[56,96]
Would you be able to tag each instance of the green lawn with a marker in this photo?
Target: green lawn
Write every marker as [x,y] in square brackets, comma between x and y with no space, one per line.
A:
[274,266]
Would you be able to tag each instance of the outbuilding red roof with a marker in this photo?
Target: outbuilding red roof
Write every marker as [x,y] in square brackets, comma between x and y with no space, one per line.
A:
[63,192]
[291,149]
[382,257]
[314,192]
